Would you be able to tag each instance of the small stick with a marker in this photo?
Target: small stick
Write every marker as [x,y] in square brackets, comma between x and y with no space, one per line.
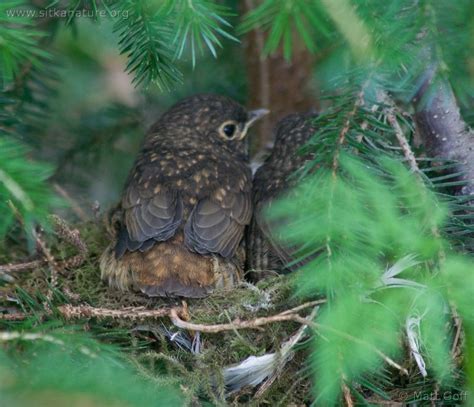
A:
[86,311]
[13,317]
[303,306]
[288,315]
[12,268]
[284,316]
[236,324]
[53,267]
[347,395]
[69,294]
[458,324]
[410,157]
[405,146]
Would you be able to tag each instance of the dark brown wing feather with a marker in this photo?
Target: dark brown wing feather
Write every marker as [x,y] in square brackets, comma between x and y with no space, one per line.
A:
[287,253]
[148,218]
[216,224]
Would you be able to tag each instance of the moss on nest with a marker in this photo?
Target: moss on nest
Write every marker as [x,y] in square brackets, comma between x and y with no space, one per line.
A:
[147,342]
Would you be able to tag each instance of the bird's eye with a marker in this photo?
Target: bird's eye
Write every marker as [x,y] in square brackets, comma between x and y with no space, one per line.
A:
[229,130]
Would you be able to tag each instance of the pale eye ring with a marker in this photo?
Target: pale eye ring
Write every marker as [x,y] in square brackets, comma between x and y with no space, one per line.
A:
[229,130]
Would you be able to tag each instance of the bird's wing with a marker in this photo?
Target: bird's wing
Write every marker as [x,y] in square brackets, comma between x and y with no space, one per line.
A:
[217,223]
[289,254]
[150,214]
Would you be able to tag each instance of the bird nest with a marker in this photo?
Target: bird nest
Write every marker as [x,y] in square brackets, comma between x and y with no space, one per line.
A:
[241,341]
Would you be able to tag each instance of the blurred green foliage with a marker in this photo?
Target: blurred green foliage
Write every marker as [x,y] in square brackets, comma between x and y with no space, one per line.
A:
[24,193]
[19,42]
[362,221]
[57,369]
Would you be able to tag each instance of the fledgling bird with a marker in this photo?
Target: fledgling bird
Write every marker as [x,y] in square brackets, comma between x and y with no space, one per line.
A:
[265,251]
[186,203]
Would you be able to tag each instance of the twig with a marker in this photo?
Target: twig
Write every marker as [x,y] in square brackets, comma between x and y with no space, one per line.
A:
[303,306]
[71,295]
[434,398]
[13,317]
[288,315]
[257,322]
[13,268]
[402,141]
[236,324]
[458,324]
[53,267]
[410,157]
[347,395]
[86,311]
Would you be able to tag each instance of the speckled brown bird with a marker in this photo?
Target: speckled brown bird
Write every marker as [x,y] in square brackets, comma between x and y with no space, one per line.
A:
[266,254]
[186,203]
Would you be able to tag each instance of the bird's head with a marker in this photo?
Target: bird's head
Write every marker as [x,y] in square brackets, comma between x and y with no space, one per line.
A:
[214,119]
[292,132]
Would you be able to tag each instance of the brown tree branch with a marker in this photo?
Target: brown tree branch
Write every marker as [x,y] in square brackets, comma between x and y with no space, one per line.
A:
[442,129]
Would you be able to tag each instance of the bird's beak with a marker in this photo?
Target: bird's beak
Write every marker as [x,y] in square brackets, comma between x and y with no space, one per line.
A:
[255,115]
[252,117]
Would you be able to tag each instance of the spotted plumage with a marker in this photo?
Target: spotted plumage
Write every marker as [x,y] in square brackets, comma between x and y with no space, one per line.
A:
[266,253]
[186,203]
